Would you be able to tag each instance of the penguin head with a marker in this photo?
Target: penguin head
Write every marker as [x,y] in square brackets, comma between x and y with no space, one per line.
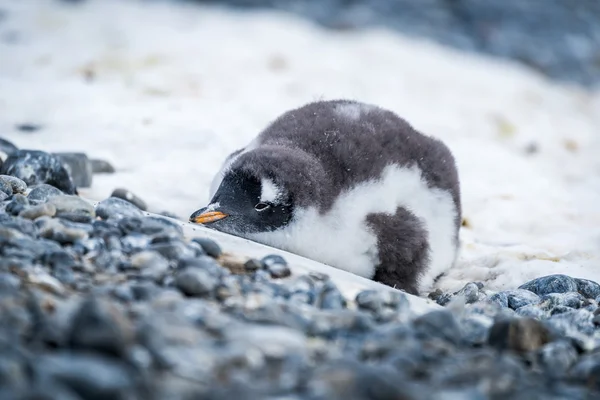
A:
[247,202]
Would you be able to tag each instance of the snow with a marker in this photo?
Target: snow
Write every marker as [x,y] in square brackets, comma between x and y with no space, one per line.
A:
[165,92]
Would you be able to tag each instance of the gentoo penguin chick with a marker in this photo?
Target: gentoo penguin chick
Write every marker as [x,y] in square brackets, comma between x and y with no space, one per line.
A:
[348,184]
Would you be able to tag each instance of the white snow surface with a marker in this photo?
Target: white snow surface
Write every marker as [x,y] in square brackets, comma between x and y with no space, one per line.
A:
[166,91]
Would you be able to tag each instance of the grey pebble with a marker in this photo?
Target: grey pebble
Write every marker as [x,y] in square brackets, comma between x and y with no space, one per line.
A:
[40,210]
[210,246]
[195,282]
[115,208]
[588,289]
[42,193]
[551,284]
[15,184]
[101,166]
[521,297]
[73,208]
[129,196]
[78,166]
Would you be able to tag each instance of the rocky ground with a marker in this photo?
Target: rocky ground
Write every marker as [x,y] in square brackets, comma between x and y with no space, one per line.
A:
[560,38]
[102,301]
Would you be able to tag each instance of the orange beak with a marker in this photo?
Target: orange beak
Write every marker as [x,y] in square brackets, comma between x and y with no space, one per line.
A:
[208,217]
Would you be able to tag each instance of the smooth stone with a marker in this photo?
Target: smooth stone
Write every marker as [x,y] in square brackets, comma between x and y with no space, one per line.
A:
[557,357]
[580,321]
[15,184]
[470,292]
[101,166]
[518,334]
[151,264]
[72,207]
[152,226]
[6,149]
[209,246]
[569,299]
[588,289]
[370,300]
[100,327]
[92,377]
[58,231]
[5,188]
[37,211]
[115,208]
[532,311]
[195,282]
[551,284]
[500,299]
[330,298]
[78,166]
[43,192]
[129,196]
[172,250]
[438,324]
[35,167]
[17,204]
[475,328]
[520,297]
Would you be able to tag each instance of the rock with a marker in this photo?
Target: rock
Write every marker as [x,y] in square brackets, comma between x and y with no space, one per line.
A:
[42,193]
[588,289]
[532,311]
[36,167]
[573,322]
[92,377]
[40,210]
[130,197]
[551,284]
[370,300]
[100,327]
[569,299]
[115,208]
[151,264]
[73,208]
[78,166]
[6,149]
[16,185]
[62,233]
[438,324]
[330,298]
[17,204]
[277,266]
[521,297]
[101,167]
[500,299]
[209,246]
[470,292]
[195,282]
[557,357]
[519,334]
[28,127]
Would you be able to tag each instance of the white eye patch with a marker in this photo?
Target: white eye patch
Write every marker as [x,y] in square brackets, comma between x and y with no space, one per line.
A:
[269,191]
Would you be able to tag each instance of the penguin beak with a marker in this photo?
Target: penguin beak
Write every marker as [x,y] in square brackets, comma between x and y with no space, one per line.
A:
[203,216]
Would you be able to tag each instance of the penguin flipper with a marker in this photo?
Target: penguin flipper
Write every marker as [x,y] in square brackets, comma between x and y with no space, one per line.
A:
[402,247]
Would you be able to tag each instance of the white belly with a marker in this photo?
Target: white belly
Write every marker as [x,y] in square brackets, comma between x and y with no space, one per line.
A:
[341,238]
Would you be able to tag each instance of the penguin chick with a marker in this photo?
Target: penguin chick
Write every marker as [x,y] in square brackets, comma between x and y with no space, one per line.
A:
[348,184]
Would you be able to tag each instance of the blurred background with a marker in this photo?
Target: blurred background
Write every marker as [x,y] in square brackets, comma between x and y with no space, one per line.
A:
[165,90]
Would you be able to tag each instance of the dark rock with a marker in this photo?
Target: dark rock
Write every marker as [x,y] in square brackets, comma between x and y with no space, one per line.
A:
[521,297]
[195,282]
[151,264]
[101,167]
[475,329]
[36,167]
[438,324]
[370,300]
[551,284]
[557,357]
[252,265]
[115,208]
[210,246]
[470,292]
[17,204]
[99,326]
[61,232]
[92,377]
[531,311]
[40,210]
[500,299]
[569,299]
[127,195]
[6,149]
[78,166]
[330,298]
[277,266]
[172,250]
[42,193]
[573,321]
[519,334]
[10,184]
[28,127]
[588,289]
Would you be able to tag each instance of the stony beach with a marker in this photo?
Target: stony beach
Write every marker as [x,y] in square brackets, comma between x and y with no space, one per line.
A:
[105,301]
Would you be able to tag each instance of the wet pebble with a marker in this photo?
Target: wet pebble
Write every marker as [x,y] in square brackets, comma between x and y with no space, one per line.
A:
[36,167]
[209,246]
[37,211]
[73,208]
[195,282]
[115,208]
[129,196]
[42,193]
[10,184]
[551,284]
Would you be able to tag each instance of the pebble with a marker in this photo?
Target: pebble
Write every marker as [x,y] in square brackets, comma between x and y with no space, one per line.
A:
[6,149]
[16,185]
[127,195]
[551,284]
[78,166]
[587,288]
[101,166]
[115,208]
[42,193]
[36,167]
[126,307]
[209,246]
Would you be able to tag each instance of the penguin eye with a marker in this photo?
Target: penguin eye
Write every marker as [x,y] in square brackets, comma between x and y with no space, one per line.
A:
[262,206]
